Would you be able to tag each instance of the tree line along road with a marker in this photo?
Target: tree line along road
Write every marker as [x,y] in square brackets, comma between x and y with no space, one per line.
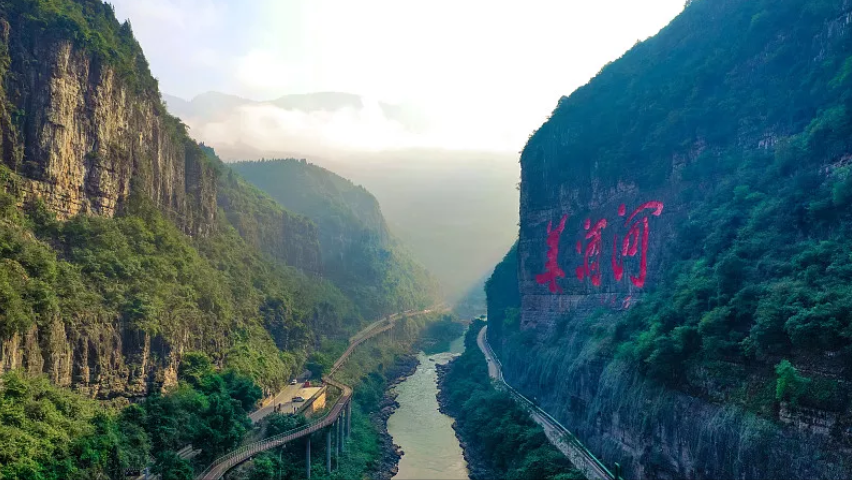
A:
[559,436]
[226,462]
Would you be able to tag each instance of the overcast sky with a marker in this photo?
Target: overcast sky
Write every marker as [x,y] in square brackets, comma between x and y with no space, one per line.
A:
[500,66]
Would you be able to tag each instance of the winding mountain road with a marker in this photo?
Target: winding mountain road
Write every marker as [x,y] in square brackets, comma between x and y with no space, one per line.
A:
[226,462]
[559,436]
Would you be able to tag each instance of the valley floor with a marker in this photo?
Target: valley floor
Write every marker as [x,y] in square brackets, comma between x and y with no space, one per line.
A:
[499,438]
[559,436]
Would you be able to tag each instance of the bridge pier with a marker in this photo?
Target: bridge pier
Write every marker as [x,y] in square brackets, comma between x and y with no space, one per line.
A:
[328,450]
[337,426]
[349,420]
[343,431]
[308,457]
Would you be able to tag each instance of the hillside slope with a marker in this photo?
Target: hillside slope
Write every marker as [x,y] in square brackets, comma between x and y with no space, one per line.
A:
[455,210]
[123,244]
[360,255]
[683,260]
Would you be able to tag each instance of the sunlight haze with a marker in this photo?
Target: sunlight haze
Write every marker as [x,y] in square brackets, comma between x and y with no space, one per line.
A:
[425,104]
[489,73]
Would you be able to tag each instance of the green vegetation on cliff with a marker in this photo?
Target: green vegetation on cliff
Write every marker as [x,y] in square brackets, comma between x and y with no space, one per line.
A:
[771,280]
[52,434]
[91,25]
[359,254]
[738,112]
[736,116]
[140,270]
[501,439]
[198,276]
[265,224]
[503,297]
[723,74]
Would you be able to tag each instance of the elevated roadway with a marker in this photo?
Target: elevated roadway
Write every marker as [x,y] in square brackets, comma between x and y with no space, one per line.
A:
[559,436]
[338,415]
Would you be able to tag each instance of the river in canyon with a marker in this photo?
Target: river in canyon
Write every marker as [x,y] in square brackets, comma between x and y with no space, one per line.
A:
[425,434]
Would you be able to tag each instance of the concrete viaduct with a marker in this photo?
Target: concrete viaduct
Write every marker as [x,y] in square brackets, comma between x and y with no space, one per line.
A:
[336,423]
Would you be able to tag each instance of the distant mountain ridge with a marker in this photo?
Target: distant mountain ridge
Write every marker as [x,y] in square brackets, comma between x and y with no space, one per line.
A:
[213,105]
[456,210]
[360,254]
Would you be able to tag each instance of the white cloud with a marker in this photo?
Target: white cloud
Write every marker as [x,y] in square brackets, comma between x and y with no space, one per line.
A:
[188,15]
[487,72]
[268,128]
[262,70]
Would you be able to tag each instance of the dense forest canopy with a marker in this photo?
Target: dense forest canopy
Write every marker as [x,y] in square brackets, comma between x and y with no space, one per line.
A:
[140,269]
[53,434]
[250,295]
[739,113]
[723,74]
[220,319]
[360,255]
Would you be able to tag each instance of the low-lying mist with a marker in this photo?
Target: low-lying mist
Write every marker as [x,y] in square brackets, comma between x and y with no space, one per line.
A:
[455,208]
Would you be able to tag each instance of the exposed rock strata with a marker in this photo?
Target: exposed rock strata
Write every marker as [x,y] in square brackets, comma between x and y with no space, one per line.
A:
[81,136]
[653,432]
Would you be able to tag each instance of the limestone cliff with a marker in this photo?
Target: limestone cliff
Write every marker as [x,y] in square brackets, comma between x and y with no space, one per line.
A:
[81,136]
[672,167]
[83,130]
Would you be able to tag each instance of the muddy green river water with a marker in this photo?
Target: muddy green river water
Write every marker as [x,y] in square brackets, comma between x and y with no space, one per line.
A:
[425,434]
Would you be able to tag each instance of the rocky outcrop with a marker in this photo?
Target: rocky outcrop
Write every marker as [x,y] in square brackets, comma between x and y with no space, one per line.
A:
[80,136]
[601,218]
[82,129]
[83,137]
[656,432]
[103,357]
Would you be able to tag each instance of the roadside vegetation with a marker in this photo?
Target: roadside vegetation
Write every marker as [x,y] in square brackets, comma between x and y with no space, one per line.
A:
[500,439]
[370,369]
[50,433]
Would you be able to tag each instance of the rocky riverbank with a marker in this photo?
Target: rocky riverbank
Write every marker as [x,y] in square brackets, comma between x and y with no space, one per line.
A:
[475,463]
[390,452]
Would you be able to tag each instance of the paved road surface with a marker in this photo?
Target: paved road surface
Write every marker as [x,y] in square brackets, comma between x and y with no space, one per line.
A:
[558,435]
[226,462]
[285,398]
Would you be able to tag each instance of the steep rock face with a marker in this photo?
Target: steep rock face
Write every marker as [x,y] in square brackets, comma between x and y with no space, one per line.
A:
[99,359]
[82,133]
[605,195]
[81,137]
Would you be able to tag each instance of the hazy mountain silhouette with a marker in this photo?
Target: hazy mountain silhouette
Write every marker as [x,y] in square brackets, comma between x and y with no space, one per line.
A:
[456,210]
[214,105]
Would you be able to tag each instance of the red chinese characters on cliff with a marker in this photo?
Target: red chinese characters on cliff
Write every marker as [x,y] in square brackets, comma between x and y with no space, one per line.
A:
[634,243]
[551,268]
[592,258]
